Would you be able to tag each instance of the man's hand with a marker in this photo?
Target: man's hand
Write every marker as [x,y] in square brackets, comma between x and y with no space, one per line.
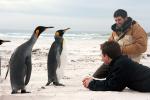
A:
[86,81]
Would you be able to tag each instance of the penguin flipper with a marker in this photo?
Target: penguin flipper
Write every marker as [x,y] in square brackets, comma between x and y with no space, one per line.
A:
[28,69]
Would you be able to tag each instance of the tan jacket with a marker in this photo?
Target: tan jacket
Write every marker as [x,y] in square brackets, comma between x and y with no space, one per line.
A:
[134,43]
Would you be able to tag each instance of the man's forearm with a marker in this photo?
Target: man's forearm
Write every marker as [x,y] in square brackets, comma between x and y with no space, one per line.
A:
[98,85]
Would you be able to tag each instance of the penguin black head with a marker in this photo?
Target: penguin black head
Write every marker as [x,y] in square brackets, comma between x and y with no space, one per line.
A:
[38,30]
[60,33]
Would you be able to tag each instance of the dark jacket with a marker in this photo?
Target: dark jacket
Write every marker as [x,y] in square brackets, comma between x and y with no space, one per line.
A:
[123,73]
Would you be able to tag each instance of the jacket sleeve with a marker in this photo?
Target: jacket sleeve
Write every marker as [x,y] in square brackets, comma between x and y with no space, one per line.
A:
[139,44]
[115,82]
[98,85]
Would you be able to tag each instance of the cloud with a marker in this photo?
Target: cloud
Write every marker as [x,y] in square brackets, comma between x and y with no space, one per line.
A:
[77,8]
[80,14]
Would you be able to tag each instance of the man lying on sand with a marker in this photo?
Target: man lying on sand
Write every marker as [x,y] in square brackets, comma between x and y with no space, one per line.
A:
[123,72]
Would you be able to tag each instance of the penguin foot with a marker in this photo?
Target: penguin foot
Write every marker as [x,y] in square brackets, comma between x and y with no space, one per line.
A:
[14,92]
[47,83]
[24,91]
[58,84]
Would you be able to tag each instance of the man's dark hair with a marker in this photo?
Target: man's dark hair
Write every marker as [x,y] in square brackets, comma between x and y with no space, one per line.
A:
[120,12]
[111,48]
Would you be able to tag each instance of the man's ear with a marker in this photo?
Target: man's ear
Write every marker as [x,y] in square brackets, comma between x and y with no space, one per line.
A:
[109,59]
[106,56]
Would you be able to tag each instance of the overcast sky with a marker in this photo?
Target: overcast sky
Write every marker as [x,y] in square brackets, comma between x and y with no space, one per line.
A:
[80,15]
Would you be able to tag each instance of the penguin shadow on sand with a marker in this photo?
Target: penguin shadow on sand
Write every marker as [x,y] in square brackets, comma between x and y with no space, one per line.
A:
[54,61]
[20,64]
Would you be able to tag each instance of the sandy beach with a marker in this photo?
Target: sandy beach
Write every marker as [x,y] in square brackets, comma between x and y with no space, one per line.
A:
[83,58]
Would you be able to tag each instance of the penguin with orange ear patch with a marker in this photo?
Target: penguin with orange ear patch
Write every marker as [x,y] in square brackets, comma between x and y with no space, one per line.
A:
[54,58]
[20,63]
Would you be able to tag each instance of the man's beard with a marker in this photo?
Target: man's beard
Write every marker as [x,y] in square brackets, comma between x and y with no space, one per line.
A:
[119,26]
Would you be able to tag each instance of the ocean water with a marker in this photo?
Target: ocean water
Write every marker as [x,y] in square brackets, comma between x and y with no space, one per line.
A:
[69,35]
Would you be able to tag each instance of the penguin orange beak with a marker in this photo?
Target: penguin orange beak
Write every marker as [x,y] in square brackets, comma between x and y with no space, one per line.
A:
[40,29]
[66,29]
[49,27]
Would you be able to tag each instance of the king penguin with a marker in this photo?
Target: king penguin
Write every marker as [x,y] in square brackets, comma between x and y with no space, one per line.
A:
[54,58]
[20,62]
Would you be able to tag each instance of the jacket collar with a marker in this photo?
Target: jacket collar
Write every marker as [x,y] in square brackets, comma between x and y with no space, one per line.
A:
[124,27]
[115,59]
